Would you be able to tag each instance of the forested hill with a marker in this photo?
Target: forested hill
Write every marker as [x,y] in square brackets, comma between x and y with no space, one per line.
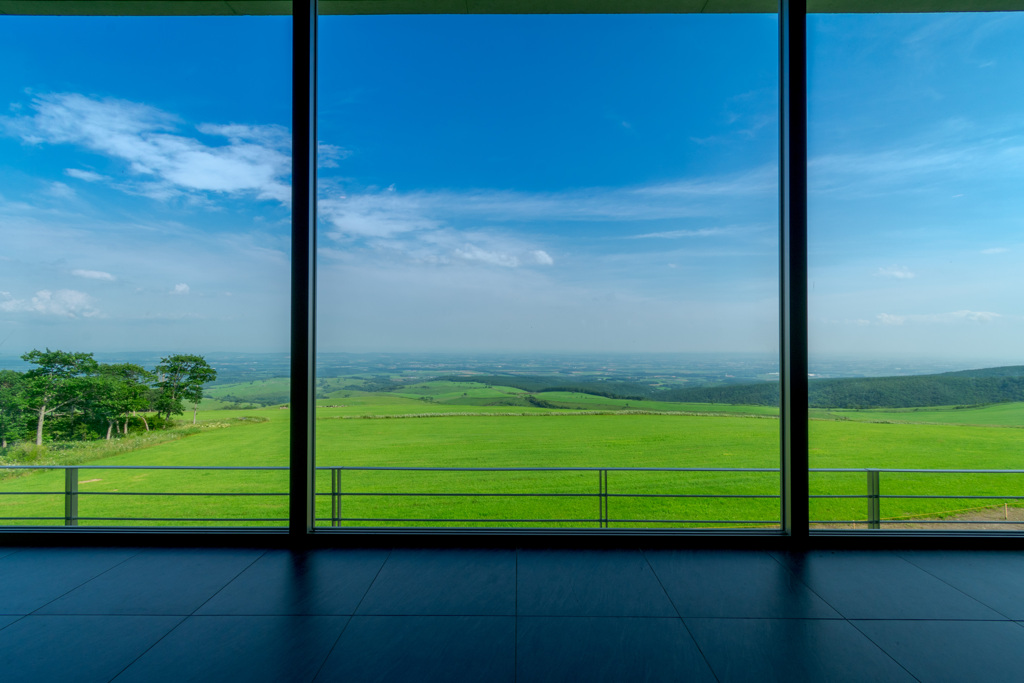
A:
[968,387]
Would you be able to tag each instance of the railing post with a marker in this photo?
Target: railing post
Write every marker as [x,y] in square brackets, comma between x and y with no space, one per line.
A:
[70,496]
[335,497]
[602,498]
[874,502]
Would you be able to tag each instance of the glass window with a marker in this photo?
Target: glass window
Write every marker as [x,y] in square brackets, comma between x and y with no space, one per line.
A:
[548,271]
[915,324]
[144,297]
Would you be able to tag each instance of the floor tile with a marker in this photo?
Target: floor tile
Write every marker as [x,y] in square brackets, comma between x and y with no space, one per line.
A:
[607,649]
[439,581]
[788,650]
[76,648]
[157,582]
[992,577]
[711,583]
[952,650]
[881,585]
[45,574]
[423,649]
[589,583]
[253,648]
[287,582]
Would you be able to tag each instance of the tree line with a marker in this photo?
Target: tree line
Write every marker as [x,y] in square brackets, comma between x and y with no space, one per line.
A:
[70,396]
[966,387]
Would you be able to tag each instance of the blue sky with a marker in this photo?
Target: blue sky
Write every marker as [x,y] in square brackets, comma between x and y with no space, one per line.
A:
[545,183]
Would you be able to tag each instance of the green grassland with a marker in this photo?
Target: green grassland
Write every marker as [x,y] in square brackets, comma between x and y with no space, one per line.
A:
[455,424]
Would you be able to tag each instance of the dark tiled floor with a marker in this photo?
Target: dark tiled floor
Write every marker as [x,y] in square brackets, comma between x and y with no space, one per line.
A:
[496,615]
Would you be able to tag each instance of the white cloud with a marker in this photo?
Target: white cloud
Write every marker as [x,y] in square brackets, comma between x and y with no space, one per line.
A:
[328,156]
[471,252]
[887,319]
[995,250]
[542,257]
[87,176]
[422,223]
[93,275]
[898,272]
[677,234]
[940,318]
[67,303]
[180,288]
[255,159]
[60,190]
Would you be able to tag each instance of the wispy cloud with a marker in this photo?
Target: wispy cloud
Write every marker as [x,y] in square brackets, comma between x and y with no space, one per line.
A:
[86,175]
[181,288]
[168,163]
[995,250]
[66,303]
[942,318]
[952,152]
[898,272]
[93,275]
[680,234]
[328,156]
[448,226]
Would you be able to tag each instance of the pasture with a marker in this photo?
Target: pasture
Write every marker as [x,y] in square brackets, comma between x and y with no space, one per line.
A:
[451,424]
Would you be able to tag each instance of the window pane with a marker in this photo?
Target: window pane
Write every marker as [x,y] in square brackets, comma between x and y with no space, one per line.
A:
[548,242]
[915,217]
[144,167]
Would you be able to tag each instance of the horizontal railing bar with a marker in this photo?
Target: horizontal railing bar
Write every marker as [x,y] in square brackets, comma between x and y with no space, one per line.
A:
[504,469]
[580,521]
[881,469]
[911,521]
[897,495]
[178,519]
[946,521]
[135,467]
[965,497]
[365,494]
[129,493]
[149,493]
[549,469]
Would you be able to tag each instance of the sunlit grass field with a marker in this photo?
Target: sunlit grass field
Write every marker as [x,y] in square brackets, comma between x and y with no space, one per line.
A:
[366,429]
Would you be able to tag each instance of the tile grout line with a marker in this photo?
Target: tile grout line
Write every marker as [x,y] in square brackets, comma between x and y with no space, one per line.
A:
[230,581]
[643,553]
[882,649]
[185,617]
[353,615]
[108,569]
[807,586]
[155,643]
[964,593]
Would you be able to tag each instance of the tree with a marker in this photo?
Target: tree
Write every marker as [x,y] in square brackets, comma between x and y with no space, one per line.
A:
[123,390]
[12,406]
[56,383]
[181,377]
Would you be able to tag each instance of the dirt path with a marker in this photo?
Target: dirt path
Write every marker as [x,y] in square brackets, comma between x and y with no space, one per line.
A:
[987,519]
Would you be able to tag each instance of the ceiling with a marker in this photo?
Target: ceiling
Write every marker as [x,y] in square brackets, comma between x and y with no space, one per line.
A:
[258,7]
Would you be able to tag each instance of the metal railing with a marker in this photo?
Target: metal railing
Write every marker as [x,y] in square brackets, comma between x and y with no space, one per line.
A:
[601,494]
[875,496]
[72,494]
